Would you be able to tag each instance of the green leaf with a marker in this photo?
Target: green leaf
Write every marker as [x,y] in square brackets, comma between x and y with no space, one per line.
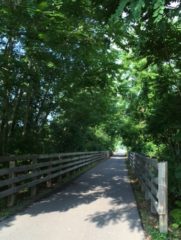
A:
[158,10]
[136,8]
[54,14]
[42,36]
[120,9]
[176,215]
[4,11]
[43,5]
[50,64]
[175,225]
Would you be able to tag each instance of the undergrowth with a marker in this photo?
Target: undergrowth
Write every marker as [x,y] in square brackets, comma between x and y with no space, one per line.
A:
[150,220]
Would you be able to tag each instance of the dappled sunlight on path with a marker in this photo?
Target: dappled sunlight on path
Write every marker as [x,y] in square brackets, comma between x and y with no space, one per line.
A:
[98,205]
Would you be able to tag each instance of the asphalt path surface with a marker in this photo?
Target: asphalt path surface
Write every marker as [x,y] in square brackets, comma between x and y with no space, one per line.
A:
[98,205]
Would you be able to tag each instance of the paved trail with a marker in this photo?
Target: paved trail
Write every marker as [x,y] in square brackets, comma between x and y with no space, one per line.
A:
[99,205]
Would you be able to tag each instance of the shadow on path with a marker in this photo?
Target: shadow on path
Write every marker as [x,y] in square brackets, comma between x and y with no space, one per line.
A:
[108,181]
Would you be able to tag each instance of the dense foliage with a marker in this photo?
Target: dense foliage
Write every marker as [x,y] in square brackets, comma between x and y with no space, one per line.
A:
[56,88]
[80,75]
[151,74]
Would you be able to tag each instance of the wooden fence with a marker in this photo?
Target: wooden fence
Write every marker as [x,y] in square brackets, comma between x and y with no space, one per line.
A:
[152,176]
[27,173]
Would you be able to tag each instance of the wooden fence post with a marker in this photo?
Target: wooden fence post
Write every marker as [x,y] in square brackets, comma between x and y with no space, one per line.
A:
[162,196]
[79,169]
[60,176]
[49,182]
[34,189]
[134,161]
[130,160]
[11,198]
[146,194]
[146,179]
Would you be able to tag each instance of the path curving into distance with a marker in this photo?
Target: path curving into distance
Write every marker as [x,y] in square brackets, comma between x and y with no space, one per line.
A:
[99,205]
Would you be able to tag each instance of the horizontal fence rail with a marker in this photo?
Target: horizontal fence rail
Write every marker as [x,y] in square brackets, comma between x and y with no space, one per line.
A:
[153,177]
[28,172]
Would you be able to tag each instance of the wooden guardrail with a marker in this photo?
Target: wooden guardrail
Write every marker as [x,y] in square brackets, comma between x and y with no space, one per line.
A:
[28,172]
[153,177]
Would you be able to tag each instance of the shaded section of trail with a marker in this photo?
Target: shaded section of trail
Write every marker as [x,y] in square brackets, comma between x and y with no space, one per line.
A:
[98,205]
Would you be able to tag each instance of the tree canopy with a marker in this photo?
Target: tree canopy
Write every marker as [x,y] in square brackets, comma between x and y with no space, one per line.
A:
[81,75]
